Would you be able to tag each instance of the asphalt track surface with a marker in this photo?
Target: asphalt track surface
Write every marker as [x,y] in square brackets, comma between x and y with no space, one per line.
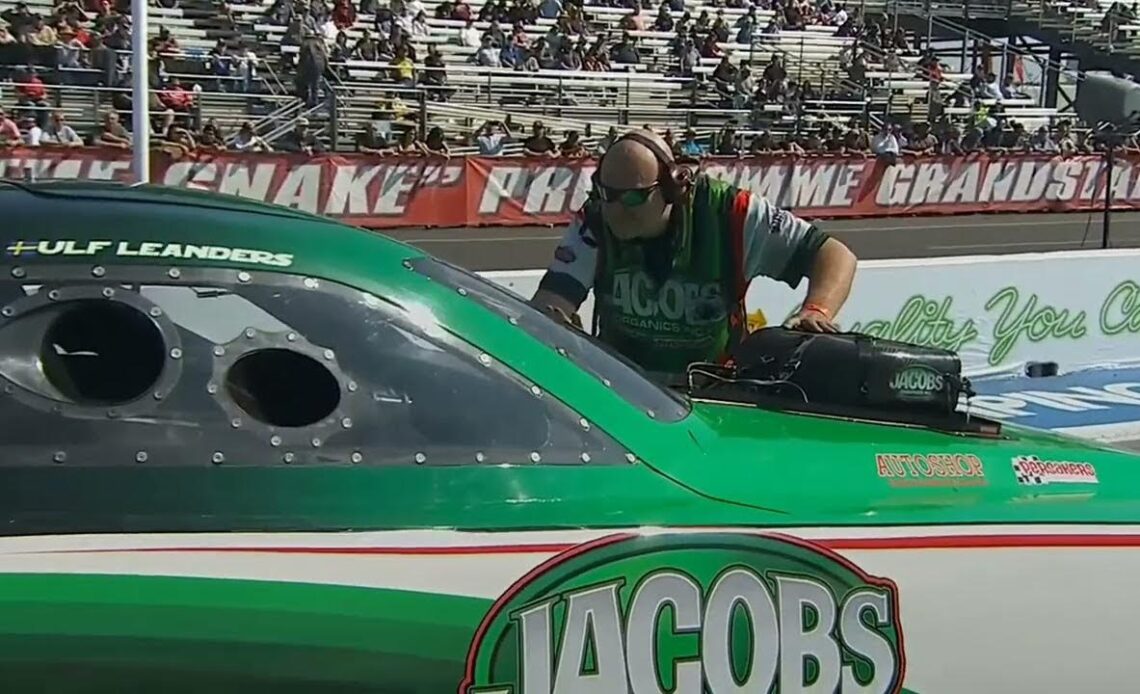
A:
[530,248]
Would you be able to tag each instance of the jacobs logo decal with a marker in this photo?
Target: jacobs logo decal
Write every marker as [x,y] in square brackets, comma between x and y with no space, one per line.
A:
[690,613]
[917,383]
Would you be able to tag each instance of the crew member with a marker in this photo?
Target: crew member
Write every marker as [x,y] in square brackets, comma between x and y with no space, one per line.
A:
[669,256]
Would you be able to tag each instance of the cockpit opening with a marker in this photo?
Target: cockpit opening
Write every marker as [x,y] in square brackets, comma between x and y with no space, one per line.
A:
[97,352]
[283,388]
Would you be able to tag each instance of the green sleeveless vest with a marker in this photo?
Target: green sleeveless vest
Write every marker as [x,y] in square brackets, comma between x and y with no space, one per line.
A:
[697,312]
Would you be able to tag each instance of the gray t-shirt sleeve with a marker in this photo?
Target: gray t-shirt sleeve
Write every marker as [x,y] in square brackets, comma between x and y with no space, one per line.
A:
[778,244]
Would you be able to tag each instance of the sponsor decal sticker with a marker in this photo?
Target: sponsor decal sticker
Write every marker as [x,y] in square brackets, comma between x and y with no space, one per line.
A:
[931,469]
[565,254]
[148,249]
[917,382]
[1032,471]
[712,612]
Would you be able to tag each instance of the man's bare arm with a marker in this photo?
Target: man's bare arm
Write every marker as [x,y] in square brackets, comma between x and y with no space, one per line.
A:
[831,276]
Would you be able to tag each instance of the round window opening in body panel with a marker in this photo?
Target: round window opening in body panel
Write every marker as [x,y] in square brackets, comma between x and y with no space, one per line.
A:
[369,384]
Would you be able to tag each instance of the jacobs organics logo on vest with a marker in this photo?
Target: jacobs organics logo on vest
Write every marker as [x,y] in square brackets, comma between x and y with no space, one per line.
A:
[689,613]
[677,300]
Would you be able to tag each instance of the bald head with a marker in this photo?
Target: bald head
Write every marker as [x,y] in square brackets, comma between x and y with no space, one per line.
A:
[630,164]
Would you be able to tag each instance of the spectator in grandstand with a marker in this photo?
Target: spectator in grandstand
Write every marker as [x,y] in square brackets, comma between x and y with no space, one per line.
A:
[420,28]
[30,89]
[461,11]
[177,97]
[301,139]
[113,134]
[1016,139]
[832,138]
[789,145]
[689,147]
[1042,142]
[923,142]
[1065,141]
[488,53]
[891,62]
[435,144]
[58,133]
[885,144]
[11,52]
[220,64]
[247,140]
[177,142]
[549,9]
[727,141]
[606,142]
[719,28]
[408,144]
[19,19]
[366,47]
[950,141]
[571,147]
[492,137]
[9,131]
[368,141]
[1009,91]
[498,36]
[595,59]
[103,59]
[514,54]
[635,234]
[41,39]
[570,57]
[211,137]
[434,76]
[343,15]
[165,42]
[70,50]
[403,69]
[341,52]
[539,143]
[688,57]
[724,77]
[312,64]
[709,47]
[470,36]
[746,27]
[929,67]
[810,142]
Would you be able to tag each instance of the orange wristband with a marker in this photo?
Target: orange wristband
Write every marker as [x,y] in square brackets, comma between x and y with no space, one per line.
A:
[816,308]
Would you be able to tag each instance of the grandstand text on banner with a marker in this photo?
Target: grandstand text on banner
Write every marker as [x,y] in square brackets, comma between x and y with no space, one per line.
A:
[393,191]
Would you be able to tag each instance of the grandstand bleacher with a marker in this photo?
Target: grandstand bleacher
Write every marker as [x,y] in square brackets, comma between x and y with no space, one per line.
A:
[227,65]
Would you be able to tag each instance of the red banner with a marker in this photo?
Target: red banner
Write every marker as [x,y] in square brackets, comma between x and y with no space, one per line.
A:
[386,192]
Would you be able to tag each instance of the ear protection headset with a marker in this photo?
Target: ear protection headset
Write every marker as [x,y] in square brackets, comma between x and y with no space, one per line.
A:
[672,188]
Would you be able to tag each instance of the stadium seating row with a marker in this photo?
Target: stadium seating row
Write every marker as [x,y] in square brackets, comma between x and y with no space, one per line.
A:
[652,92]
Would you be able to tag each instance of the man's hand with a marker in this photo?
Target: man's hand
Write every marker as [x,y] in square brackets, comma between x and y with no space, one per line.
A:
[559,314]
[813,320]
[558,308]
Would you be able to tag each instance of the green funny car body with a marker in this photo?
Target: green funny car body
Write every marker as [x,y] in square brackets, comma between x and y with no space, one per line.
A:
[250,449]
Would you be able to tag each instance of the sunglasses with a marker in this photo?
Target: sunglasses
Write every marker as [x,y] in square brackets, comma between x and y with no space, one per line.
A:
[628,197]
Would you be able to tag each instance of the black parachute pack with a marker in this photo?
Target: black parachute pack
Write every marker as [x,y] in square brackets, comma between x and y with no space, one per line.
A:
[844,374]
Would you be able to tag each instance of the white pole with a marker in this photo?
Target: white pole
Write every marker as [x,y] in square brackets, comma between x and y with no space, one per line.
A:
[140,99]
